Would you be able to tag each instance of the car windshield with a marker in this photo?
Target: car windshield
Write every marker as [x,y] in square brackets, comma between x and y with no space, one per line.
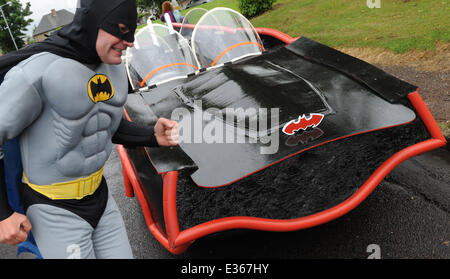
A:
[159,54]
[223,35]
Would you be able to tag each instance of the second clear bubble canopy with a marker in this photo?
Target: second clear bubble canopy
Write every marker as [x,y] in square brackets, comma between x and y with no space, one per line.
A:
[223,35]
[159,54]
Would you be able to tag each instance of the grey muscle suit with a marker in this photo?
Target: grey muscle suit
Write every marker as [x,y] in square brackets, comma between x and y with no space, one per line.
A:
[70,135]
[64,135]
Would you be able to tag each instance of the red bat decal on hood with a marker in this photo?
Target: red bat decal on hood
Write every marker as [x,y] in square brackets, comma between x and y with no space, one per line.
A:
[303,123]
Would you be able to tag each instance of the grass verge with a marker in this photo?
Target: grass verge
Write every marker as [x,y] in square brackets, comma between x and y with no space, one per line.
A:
[399,25]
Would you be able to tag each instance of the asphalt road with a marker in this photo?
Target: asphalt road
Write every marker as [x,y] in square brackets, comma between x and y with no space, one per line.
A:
[407,216]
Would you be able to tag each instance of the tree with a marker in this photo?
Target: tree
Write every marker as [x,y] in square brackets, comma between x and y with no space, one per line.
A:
[251,8]
[15,15]
[144,5]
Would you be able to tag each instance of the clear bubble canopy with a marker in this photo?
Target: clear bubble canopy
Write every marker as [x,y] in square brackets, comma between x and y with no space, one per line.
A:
[223,35]
[159,54]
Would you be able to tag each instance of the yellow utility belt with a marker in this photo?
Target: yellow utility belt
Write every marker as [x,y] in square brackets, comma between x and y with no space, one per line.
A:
[76,189]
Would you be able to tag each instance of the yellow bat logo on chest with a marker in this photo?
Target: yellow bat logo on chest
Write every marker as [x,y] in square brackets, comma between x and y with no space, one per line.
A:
[100,88]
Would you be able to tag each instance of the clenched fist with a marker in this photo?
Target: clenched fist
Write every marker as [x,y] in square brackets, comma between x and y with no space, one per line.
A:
[166,132]
[14,229]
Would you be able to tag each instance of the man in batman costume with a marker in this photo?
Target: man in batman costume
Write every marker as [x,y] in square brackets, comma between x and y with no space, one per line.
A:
[62,101]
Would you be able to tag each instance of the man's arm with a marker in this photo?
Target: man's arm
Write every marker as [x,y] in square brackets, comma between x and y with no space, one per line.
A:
[14,227]
[131,135]
[5,209]
[20,105]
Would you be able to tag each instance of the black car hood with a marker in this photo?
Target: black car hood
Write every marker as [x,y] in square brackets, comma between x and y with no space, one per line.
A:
[295,80]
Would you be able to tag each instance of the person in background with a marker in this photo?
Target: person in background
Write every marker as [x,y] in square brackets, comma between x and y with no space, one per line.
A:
[177,15]
[167,8]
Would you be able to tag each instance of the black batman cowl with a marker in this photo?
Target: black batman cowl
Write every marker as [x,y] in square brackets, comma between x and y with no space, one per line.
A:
[77,40]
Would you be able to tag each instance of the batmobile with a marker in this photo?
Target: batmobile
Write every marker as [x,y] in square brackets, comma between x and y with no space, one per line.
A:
[277,133]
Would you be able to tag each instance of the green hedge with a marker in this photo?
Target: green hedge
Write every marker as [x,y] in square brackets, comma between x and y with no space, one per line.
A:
[250,8]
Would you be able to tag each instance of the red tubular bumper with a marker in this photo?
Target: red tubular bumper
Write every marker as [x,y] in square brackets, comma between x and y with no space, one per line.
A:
[177,242]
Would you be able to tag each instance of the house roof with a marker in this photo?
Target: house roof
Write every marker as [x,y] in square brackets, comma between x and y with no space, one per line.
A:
[51,21]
